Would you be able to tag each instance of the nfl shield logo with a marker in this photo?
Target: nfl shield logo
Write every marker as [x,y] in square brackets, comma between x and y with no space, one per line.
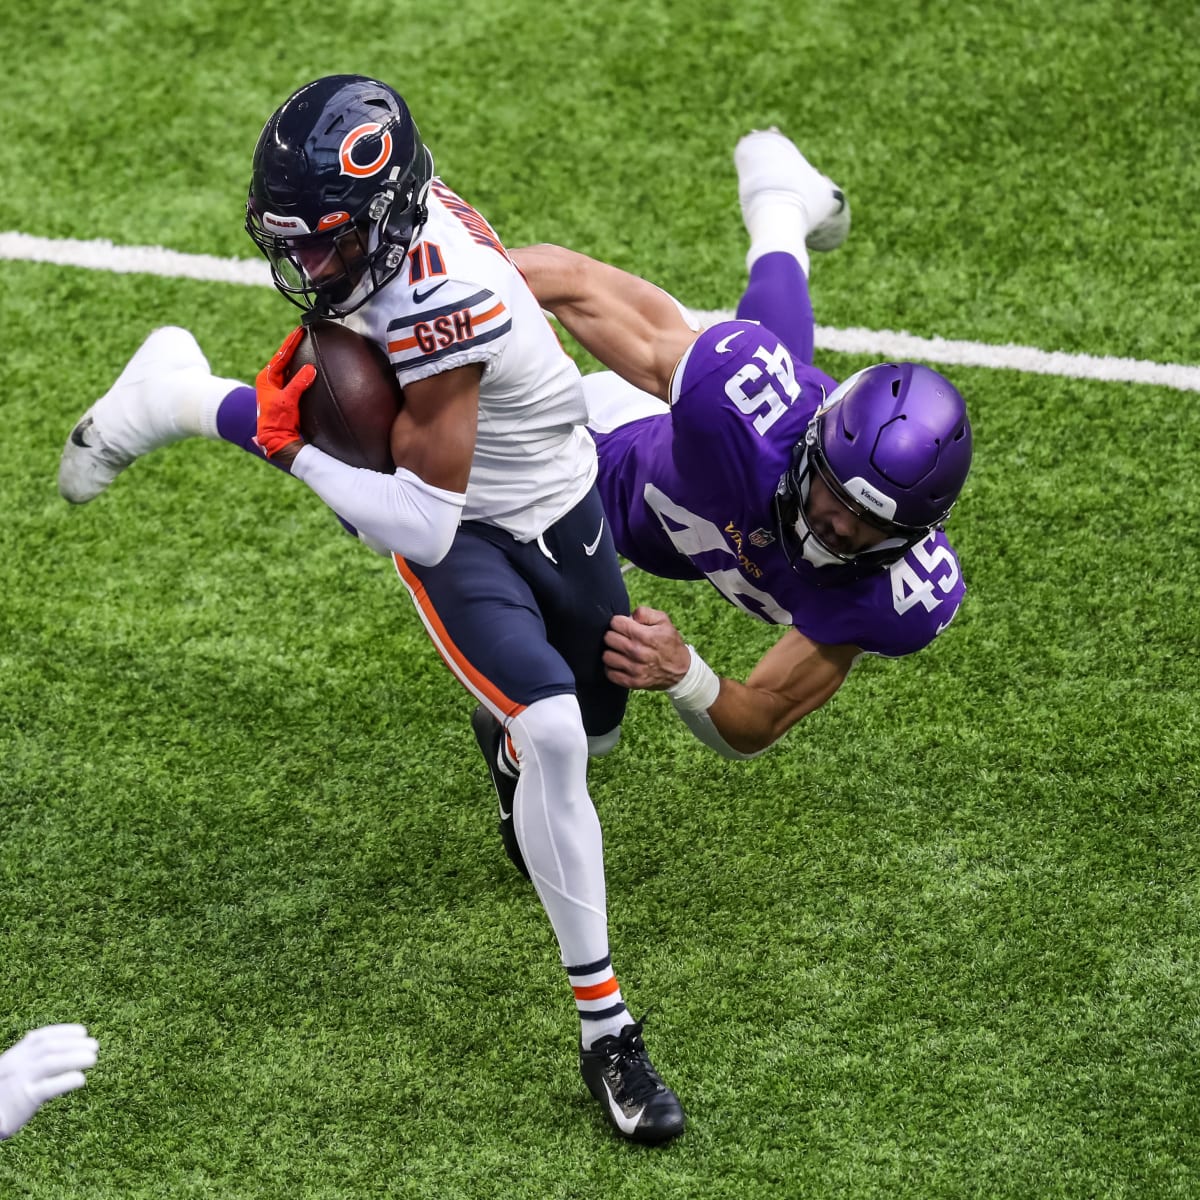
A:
[761,538]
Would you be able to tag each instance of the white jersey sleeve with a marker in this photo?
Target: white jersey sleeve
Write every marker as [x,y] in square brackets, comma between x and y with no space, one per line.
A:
[458,323]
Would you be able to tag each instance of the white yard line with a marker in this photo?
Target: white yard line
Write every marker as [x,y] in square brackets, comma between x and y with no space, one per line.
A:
[102,255]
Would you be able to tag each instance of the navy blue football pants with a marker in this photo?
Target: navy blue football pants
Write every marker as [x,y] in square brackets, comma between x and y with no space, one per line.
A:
[519,621]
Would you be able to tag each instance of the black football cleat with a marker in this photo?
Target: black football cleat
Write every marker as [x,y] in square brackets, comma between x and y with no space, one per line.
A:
[620,1075]
[489,733]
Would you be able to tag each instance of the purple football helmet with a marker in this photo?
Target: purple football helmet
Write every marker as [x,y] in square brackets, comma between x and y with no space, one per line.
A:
[337,192]
[893,444]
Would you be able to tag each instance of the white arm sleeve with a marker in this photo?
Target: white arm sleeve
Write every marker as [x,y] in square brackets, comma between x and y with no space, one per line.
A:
[703,729]
[693,696]
[401,512]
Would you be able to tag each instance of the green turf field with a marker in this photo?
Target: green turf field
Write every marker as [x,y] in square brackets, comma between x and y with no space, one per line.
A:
[942,942]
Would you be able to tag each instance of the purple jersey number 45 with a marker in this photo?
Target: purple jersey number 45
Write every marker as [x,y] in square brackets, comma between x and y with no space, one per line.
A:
[689,494]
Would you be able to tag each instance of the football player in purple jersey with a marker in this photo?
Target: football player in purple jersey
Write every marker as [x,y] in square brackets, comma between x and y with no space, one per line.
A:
[806,503]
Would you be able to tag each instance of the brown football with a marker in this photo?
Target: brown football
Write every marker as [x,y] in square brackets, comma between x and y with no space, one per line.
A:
[348,410]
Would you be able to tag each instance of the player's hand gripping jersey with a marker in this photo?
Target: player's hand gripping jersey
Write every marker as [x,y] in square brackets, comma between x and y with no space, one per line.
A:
[690,494]
[460,300]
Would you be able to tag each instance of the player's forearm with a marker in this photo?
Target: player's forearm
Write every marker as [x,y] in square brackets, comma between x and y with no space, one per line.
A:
[627,323]
[728,717]
[400,511]
[645,650]
[748,720]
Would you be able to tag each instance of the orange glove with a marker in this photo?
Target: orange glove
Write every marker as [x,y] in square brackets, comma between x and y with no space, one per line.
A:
[279,398]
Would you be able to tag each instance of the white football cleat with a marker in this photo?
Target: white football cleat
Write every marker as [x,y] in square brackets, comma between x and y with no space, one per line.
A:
[773,173]
[140,412]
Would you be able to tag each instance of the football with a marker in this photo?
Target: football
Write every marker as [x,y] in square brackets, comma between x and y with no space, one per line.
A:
[348,410]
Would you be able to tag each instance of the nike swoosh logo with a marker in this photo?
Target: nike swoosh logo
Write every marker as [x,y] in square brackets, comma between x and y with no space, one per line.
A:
[78,432]
[590,550]
[421,297]
[723,344]
[624,1123]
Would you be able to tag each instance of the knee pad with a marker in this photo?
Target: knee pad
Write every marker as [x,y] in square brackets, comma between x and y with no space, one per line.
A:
[550,730]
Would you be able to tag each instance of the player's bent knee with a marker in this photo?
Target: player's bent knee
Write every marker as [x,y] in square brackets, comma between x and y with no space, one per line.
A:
[550,730]
[601,744]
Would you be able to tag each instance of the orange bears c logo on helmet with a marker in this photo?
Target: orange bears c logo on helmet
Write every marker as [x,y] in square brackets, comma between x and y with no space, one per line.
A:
[356,135]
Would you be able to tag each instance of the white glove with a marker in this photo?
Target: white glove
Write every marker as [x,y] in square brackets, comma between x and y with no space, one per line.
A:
[43,1064]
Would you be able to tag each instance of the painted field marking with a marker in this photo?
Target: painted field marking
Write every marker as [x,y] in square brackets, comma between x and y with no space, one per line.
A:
[101,255]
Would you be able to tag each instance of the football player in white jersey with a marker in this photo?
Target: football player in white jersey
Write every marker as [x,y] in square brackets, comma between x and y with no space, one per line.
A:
[789,208]
[491,516]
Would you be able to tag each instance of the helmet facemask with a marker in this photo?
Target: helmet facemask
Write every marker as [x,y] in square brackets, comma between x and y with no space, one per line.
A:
[801,542]
[891,445]
[313,270]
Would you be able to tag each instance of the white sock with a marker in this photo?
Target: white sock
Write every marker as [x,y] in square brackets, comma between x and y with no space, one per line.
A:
[777,221]
[602,1011]
[559,835]
[196,402]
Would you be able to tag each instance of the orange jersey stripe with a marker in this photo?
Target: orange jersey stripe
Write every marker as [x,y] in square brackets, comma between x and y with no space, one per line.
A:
[494,311]
[470,678]
[597,991]
[403,344]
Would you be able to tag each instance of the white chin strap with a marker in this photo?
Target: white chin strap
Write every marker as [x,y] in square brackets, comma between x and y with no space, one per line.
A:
[810,545]
[811,549]
[814,552]
[360,293]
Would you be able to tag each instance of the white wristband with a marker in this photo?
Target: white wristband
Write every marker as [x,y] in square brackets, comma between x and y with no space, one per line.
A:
[697,691]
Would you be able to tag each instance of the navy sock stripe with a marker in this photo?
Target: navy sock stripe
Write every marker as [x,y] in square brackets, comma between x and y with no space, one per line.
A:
[601,964]
[604,1013]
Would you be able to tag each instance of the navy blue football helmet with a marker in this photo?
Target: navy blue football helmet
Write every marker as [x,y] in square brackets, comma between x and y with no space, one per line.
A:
[893,444]
[338,192]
